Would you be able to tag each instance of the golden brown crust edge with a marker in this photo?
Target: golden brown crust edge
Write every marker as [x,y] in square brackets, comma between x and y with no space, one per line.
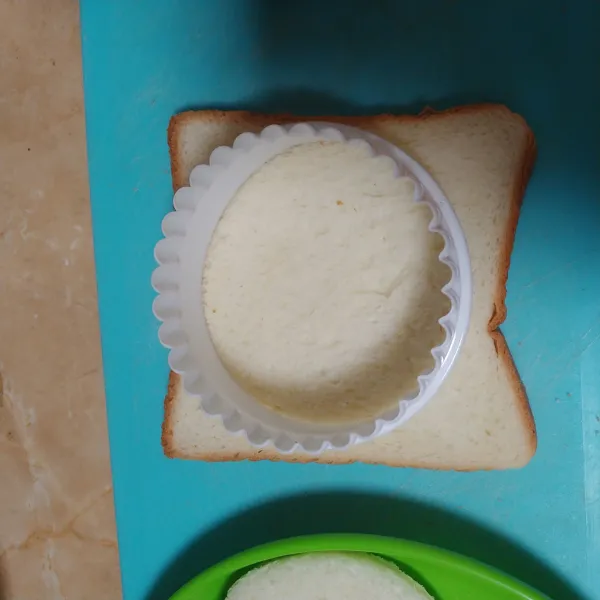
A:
[167,424]
[497,318]
[499,314]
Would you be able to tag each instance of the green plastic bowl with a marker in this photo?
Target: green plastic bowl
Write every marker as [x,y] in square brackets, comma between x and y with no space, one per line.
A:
[445,575]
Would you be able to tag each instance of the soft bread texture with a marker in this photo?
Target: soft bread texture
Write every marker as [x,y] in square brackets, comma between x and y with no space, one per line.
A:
[327,576]
[322,308]
[481,156]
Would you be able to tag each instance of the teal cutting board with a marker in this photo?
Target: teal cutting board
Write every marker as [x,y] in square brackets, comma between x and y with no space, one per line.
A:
[146,60]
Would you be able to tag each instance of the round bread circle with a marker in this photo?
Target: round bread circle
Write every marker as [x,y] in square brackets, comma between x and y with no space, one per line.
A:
[322,284]
[327,576]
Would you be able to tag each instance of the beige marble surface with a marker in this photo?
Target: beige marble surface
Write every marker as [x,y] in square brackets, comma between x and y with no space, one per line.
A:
[57,530]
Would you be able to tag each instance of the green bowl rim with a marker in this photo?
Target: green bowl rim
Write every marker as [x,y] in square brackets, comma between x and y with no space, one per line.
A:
[348,542]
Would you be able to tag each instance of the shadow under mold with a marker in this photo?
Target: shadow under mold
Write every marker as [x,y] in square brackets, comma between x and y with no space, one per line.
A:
[355,512]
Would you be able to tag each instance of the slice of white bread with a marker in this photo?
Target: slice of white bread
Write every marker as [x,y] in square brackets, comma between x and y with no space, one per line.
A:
[327,576]
[481,156]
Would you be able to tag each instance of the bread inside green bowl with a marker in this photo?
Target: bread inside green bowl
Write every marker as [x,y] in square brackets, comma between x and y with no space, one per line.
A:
[443,575]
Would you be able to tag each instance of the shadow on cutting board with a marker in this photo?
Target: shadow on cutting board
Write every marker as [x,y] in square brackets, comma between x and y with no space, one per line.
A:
[352,512]
[307,102]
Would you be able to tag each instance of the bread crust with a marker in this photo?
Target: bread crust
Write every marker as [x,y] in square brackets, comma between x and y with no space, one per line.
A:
[497,317]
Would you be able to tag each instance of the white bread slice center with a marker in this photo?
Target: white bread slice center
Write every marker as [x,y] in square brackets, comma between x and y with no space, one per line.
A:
[322,284]
[327,576]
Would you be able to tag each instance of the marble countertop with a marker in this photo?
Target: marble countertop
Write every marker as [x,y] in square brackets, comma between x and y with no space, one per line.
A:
[57,528]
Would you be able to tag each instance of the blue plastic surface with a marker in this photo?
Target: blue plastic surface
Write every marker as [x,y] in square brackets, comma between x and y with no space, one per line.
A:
[144,61]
